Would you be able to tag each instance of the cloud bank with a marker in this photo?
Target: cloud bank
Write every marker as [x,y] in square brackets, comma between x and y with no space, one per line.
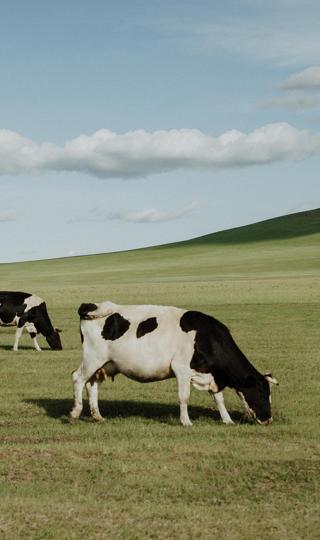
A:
[106,154]
[293,101]
[308,79]
[283,32]
[7,215]
[297,89]
[152,215]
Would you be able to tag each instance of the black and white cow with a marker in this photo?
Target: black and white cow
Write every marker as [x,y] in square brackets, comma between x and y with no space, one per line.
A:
[152,343]
[28,311]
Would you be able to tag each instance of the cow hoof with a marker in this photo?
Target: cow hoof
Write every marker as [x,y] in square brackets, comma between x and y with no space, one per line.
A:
[186,423]
[74,417]
[228,422]
[97,418]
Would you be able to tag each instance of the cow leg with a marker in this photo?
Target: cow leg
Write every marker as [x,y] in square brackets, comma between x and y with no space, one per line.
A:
[33,336]
[17,337]
[79,377]
[183,376]
[225,417]
[78,384]
[32,331]
[92,387]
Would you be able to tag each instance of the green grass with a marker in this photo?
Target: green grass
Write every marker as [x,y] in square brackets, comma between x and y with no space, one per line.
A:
[141,474]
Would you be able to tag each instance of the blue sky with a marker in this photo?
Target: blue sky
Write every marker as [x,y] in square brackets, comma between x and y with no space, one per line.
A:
[133,123]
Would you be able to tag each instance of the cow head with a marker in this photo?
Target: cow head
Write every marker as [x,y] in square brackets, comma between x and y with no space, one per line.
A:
[256,396]
[54,340]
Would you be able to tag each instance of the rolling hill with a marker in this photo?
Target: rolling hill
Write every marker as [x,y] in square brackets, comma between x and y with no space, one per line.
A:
[279,228]
[283,246]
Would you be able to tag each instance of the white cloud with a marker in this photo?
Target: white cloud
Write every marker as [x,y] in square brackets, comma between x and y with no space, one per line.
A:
[283,33]
[294,98]
[307,79]
[7,215]
[106,154]
[292,101]
[152,215]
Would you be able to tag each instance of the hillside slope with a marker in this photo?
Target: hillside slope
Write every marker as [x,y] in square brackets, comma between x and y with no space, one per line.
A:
[288,246]
[283,227]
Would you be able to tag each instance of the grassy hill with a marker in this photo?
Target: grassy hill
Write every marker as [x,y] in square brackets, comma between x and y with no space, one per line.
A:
[279,228]
[284,245]
[141,475]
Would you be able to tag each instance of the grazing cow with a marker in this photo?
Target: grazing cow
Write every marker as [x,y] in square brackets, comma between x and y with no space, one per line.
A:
[153,343]
[25,310]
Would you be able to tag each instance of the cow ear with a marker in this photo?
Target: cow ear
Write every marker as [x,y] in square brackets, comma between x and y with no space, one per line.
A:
[58,330]
[270,379]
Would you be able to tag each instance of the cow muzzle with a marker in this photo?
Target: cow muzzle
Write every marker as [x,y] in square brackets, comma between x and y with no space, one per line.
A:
[264,422]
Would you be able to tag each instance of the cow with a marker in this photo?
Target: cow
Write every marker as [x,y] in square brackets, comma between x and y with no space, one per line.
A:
[152,343]
[25,310]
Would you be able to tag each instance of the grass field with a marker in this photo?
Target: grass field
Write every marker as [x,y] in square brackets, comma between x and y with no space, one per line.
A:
[141,474]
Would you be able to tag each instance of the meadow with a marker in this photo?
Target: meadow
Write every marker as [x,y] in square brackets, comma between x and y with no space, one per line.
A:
[140,474]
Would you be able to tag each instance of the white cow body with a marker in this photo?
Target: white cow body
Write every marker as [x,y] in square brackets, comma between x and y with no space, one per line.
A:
[146,359]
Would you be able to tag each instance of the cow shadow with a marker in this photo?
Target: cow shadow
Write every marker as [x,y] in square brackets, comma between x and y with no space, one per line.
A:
[9,348]
[25,348]
[159,412]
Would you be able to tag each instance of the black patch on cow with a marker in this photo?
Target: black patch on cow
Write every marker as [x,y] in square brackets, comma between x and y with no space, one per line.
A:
[38,315]
[12,305]
[115,326]
[84,309]
[81,336]
[210,347]
[147,326]
[14,298]
[216,352]
[32,334]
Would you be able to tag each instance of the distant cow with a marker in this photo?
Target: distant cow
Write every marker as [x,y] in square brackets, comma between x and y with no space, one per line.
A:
[152,343]
[25,310]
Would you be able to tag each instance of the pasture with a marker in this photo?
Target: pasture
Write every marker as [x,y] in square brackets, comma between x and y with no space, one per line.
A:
[140,474]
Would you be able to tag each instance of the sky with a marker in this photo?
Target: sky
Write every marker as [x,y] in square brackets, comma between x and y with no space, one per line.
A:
[132,123]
